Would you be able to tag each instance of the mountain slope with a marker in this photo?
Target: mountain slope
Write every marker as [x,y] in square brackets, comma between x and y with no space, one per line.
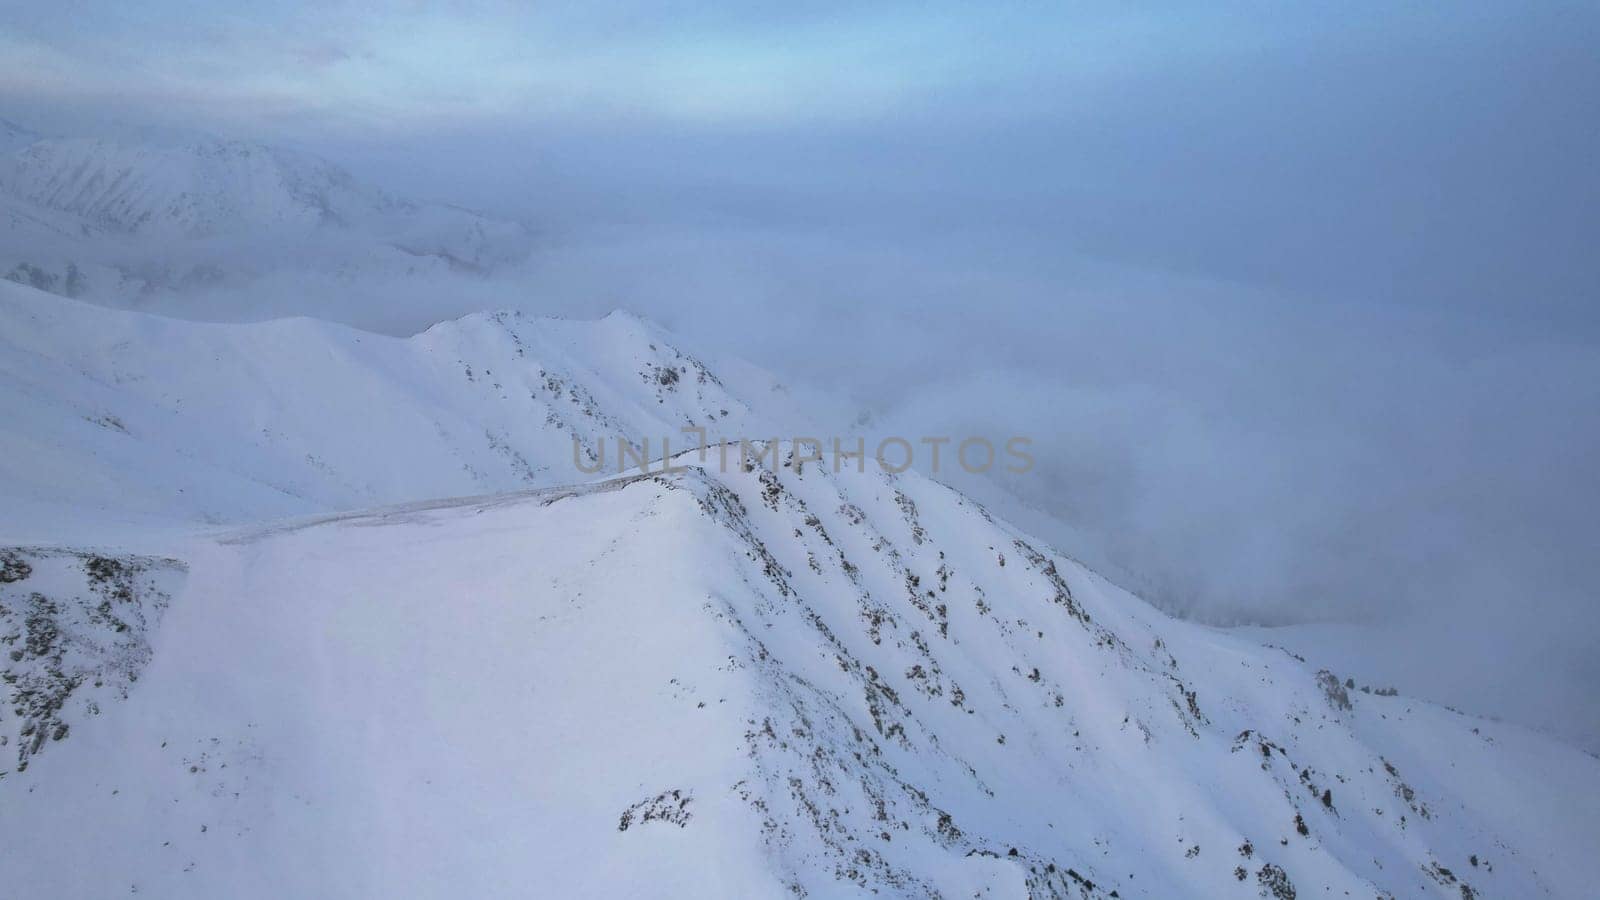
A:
[231,423]
[777,681]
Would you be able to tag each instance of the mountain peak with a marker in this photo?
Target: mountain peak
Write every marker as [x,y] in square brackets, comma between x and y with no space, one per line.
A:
[809,682]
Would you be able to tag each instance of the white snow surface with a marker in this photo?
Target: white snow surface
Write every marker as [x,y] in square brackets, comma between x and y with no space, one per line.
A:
[110,414]
[506,678]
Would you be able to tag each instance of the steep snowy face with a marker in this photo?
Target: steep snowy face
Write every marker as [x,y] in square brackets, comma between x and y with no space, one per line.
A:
[779,680]
[128,414]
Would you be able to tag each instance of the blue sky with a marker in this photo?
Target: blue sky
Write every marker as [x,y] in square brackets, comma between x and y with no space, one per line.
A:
[409,66]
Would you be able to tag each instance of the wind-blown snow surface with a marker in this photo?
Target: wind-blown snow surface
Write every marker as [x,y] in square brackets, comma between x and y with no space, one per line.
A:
[770,682]
[777,680]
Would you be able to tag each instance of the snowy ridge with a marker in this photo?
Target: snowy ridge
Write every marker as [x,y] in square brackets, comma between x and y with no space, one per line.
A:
[779,681]
[229,423]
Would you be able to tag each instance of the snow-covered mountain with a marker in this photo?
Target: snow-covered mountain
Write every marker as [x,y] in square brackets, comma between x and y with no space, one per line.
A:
[772,679]
[777,682]
[229,423]
[121,219]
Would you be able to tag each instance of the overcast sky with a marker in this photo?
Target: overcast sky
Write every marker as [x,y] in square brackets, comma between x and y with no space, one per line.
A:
[1300,301]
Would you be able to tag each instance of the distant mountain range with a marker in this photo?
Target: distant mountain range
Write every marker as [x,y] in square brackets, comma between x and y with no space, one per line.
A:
[116,220]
